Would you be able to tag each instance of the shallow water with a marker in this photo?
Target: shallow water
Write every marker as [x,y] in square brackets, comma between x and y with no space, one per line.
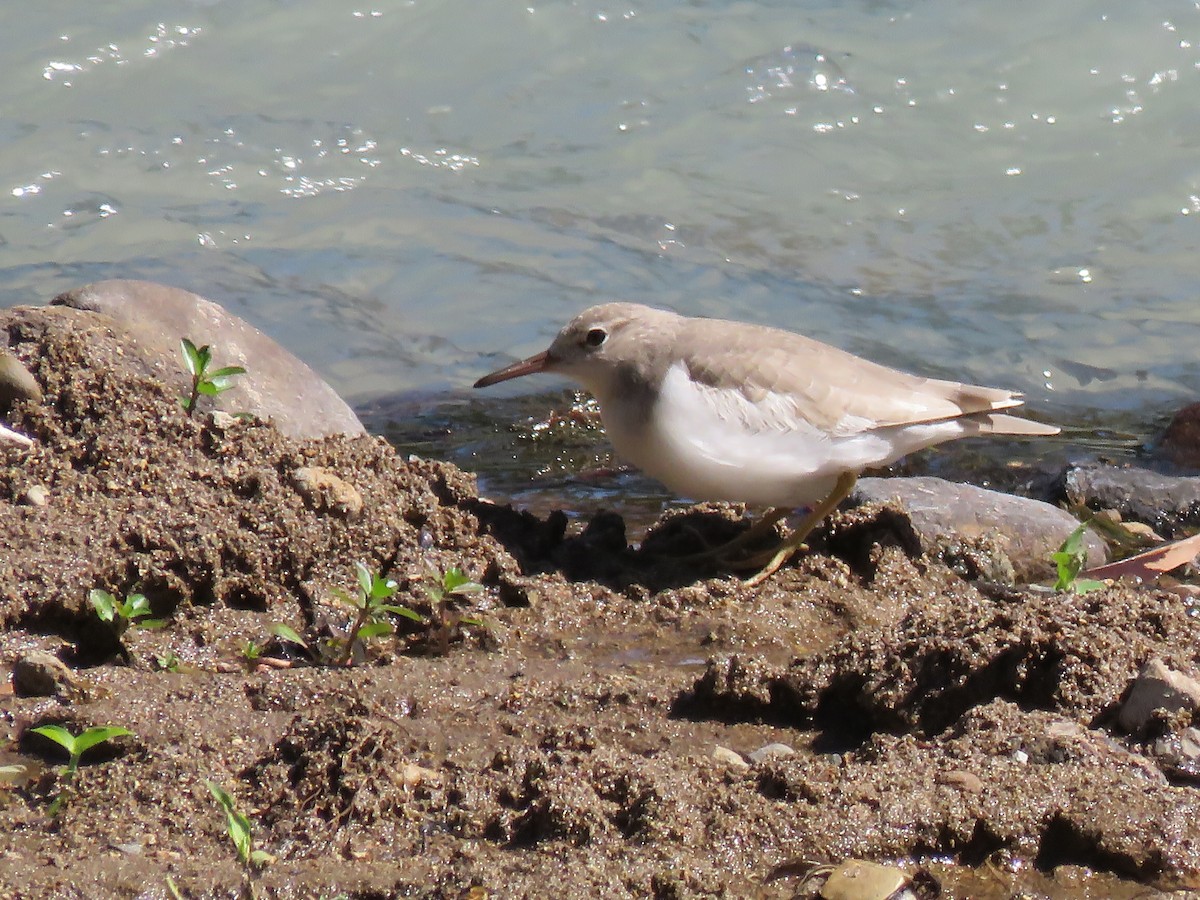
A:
[407,194]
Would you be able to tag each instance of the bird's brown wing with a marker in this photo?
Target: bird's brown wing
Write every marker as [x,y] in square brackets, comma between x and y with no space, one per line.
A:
[787,376]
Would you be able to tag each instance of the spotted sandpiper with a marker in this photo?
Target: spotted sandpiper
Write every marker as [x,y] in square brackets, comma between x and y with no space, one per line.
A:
[720,410]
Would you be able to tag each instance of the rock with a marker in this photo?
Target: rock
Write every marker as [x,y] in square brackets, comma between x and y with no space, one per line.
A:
[41,674]
[771,751]
[35,495]
[276,386]
[1181,441]
[1179,754]
[943,513]
[731,758]
[1168,503]
[324,490]
[16,382]
[858,879]
[1157,688]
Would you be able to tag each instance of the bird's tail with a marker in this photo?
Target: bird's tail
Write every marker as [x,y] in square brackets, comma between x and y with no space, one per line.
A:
[999,423]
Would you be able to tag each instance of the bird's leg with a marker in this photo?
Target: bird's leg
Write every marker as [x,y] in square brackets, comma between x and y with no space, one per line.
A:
[841,490]
[756,531]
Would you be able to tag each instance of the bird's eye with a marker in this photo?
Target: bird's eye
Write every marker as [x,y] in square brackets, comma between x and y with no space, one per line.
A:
[596,337]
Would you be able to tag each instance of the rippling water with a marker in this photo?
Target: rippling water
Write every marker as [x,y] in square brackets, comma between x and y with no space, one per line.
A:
[408,193]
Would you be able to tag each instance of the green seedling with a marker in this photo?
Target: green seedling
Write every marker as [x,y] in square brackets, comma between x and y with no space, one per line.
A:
[120,614]
[443,590]
[76,746]
[251,652]
[238,825]
[169,661]
[1071,559]
[206,382]
[371,607]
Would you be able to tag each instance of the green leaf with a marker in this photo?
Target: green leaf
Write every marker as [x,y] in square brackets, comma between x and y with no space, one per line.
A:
[1085,585]
[59,735]
[382,588]
[104,603]
[236,823]
[207,388]
[93,736]
[221,383]
[135,606]
[454,579]
[289,634]
[226,372]
[261,858]
[1070,559]
[401,611]
[151,624]
[365,578]
[193,358]
[374,629]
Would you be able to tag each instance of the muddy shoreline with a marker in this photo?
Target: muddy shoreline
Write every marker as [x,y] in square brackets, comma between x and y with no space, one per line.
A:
[619,726]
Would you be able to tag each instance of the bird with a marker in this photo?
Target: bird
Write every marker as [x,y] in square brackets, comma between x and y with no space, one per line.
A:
[726,410]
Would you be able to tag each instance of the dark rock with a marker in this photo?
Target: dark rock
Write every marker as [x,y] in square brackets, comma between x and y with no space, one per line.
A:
[944,513]
[1181,441]
[1156,691]
[1169,504]
[276,386]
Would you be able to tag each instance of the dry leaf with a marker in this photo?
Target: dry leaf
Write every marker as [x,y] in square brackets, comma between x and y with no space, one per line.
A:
[1149,564]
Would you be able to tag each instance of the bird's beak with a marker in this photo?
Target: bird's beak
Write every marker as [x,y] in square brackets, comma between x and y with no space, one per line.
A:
[529,366]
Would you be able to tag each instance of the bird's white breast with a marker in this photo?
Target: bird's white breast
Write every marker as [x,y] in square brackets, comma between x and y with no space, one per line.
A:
[713,443]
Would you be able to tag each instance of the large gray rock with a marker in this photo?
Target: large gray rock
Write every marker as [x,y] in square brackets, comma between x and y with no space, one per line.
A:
[1027,531]
[276,386]
[1168,503]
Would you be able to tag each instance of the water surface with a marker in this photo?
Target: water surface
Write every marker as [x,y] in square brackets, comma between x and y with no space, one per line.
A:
[407,194]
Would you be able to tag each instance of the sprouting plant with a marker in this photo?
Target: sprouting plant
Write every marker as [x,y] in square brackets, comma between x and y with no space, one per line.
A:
[169,661]
[76,746]
[1071,559]
[251,652]
[371,606]
[208,383]
[238,825]
[120,614]
[443,589]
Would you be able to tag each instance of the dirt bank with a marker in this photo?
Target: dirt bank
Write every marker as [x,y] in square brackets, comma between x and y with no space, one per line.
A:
[578,744]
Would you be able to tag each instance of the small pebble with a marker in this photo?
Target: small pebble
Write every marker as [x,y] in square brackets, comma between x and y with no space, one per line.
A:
[771,750]
[36,495]
[731,758]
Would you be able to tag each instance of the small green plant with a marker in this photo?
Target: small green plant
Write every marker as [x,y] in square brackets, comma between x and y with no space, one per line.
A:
[370,605]
[238,825]
[120,614]
[169,661]
[251,652]
[443,589]
[1071,559]
[208,383]
[76,746]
